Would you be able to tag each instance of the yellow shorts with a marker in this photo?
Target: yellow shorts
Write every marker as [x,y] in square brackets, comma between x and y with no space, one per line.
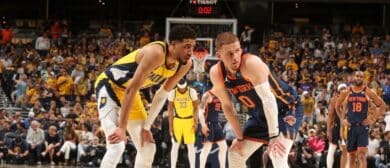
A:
[116,94]
[137,111]
[183,130]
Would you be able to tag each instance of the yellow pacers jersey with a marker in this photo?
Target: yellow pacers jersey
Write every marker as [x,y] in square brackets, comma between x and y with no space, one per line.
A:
[183,123]
[183,104]
[121,72]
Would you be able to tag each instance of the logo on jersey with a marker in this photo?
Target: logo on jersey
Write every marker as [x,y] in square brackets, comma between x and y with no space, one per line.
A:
[118,74]
[155,78]
[103,102]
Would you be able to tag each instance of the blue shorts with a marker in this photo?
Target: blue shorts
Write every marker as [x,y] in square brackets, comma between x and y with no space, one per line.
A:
[357,137]
[256,130]
[290,131]
[215,132]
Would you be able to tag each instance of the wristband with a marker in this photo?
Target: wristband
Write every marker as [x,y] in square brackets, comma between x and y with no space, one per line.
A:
[240,139]
[272,137]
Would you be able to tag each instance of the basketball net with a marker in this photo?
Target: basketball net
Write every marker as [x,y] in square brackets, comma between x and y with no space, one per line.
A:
[199,59]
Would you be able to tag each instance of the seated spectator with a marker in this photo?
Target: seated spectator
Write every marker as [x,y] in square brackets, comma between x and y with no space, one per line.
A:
[70,138]
[316,143]
[52,143]
[95,152]
[306,159]
[18,151]
[86,138]
[35,139]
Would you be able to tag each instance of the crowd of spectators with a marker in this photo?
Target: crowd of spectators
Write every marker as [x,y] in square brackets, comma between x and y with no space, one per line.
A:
[53,78]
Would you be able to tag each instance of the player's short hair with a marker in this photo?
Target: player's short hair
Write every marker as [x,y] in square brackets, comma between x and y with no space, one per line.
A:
[225,38]
[180,32]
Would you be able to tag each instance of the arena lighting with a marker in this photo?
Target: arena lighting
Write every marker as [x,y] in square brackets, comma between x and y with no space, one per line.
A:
[102,2]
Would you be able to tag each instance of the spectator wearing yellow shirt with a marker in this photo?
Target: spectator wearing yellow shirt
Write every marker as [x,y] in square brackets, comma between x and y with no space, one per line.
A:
[354,64]
[321,78]
[51,81]
[291,63]
[342,62]
[64,83]
[91,106]
[305,62]
[388,62]
[33,93]
[82,87]
[308,107]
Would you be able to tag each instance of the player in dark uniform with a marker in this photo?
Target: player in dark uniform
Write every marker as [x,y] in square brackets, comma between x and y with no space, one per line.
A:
[209,110]
[333,132]
[246,77]
[358,119]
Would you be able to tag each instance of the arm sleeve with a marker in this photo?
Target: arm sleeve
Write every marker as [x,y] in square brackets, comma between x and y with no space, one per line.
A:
[201,117]
[270,107]
[193,94]
[157,103]
[171,95]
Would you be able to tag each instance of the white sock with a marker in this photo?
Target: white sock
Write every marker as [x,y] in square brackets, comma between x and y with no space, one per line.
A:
[174,153]
[191,155]
[222,153]
[205,153]
[330,156]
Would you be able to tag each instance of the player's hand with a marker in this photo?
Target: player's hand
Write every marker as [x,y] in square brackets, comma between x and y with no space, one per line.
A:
[195,127]
[118,136]
[146,136]
[205,131]
[276,146]
[290,120]
[237,147]
[368,121]
[346,123]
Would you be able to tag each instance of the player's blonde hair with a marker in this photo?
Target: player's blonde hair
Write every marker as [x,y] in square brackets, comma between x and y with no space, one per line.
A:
[225,38]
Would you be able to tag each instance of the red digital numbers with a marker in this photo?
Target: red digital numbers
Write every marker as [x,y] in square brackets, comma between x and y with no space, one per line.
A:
[205,10]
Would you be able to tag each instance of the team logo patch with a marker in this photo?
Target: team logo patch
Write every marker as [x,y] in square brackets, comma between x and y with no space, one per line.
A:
[103,101]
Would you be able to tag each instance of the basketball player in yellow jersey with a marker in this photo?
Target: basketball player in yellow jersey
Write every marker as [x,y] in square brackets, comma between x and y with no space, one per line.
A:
[183,122]
[119,102]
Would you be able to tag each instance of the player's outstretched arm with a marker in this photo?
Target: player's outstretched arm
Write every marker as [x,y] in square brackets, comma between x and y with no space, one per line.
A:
[162,94]
[170,115]
[226,102]
[257,72]
[195,104]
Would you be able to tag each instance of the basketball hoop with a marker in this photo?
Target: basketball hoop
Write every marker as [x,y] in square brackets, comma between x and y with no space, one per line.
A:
[203,2]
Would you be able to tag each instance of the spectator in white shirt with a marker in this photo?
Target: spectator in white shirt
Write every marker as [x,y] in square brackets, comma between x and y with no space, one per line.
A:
[42,45]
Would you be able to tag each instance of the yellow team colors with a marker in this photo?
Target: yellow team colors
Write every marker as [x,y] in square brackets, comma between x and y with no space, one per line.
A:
[183,122]
[120,74]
